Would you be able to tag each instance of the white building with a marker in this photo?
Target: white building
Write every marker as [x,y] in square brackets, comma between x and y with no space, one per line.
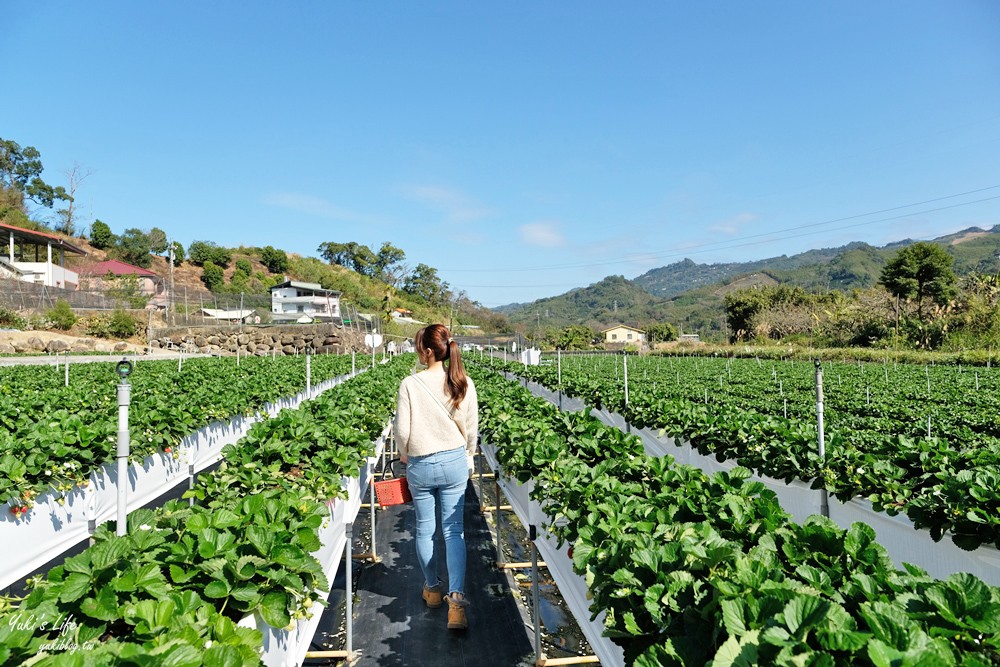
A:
[293,301]
[29,257]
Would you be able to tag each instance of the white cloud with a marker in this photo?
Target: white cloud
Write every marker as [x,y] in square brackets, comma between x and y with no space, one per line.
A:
[734,225]
[544,234]
[455,204]
[310,205]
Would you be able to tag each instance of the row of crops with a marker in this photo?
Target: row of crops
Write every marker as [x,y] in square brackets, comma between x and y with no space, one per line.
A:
[696,570]
[920,440]
[54,436]
[689,569]
[174,589]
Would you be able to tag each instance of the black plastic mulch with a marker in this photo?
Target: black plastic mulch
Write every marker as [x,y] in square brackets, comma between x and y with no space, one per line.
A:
[394,628]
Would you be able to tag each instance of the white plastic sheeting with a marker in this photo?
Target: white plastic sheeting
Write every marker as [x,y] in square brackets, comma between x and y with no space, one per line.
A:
[903,542]
[287,648]
[49,529]
[572,586]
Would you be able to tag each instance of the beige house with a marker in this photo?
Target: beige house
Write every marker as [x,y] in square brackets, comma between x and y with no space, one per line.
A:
[621,334]
[151,285]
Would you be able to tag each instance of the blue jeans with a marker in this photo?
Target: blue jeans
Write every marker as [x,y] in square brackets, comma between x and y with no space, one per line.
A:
[440,479]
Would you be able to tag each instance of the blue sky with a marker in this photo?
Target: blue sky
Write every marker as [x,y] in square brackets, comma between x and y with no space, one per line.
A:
[521,148]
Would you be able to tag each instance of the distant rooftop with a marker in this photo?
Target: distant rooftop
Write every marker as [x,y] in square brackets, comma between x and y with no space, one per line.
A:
[116,267]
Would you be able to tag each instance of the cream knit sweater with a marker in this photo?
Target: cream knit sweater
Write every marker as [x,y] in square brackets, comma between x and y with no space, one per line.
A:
[423,428]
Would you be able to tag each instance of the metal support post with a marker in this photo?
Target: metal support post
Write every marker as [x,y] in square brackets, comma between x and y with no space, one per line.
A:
[349,592]
[371,498]
[532,536]
[124,369]
[479,470]
[191,483]
[308,374]
[66,365]
[496,520]
[824,501]
[625,366]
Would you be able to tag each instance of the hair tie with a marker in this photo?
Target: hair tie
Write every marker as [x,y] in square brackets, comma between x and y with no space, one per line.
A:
[450,341]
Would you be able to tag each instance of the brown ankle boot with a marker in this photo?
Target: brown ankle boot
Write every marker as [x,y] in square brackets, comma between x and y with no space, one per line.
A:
[457,619]
[433,596]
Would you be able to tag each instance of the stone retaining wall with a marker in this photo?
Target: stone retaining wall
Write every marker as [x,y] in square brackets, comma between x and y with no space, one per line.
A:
[259,340]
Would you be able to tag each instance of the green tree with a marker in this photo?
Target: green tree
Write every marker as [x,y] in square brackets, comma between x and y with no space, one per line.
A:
[742,306]
[126,290]
[575,337]
[133,247]
[922,271]
[241,276]
[178,253]
[205,251]
[101,236]
[335,253]
[425,284]
[275,260]
[388,256]
[20,172]
[661,332]
[157,241]
[213,276]
[352,255]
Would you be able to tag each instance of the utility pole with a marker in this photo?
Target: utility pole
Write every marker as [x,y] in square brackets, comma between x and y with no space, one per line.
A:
[170,299]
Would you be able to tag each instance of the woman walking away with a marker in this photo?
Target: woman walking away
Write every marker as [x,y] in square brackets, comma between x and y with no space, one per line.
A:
[437,425]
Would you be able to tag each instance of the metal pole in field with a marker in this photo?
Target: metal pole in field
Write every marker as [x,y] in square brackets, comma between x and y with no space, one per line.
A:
[625,366]
[66,363]
[308,374]
[559,374]
[124,369]
[349,590]
[532,536]
[824,502]
[371,508]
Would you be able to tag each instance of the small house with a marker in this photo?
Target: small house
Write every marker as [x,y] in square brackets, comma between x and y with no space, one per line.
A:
[293,301]
[150,284]
[622,334]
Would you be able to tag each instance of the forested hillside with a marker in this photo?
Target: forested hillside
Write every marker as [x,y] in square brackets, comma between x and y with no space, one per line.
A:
[691,296]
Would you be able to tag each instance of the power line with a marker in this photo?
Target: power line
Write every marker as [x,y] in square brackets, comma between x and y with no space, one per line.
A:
[835,229]
[772,236]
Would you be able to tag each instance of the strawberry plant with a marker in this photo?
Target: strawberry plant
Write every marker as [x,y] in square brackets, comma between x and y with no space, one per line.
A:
[172,589]
[694,570]
[877,445]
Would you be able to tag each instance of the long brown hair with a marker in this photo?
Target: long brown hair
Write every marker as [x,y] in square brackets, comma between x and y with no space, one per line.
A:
[436,339]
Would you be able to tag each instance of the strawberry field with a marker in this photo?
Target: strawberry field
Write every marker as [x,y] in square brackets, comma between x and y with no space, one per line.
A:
[681,567]
[54,436]
[184,586]
[918,440]
[693,570]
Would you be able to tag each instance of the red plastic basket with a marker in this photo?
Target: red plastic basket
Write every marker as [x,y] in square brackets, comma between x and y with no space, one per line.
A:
[394,491]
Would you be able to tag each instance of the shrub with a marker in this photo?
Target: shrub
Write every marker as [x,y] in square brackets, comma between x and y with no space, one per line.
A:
[213,276]
[119,324]
[61,315]
[10,319]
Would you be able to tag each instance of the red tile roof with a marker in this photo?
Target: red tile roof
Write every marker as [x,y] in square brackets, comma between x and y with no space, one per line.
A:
[116,267]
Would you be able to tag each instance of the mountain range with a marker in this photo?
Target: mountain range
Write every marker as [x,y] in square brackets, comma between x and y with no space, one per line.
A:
[690,295]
